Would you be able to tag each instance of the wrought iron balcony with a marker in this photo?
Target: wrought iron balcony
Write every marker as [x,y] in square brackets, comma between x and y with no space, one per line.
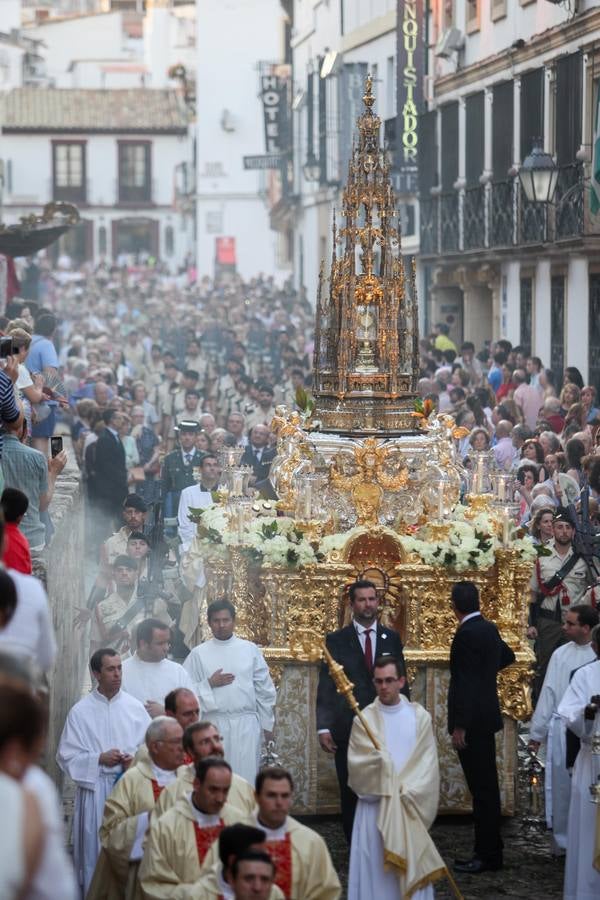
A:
[474,218]
[502,213]
[429,211]
[449,221]
[570,193]
[498,215]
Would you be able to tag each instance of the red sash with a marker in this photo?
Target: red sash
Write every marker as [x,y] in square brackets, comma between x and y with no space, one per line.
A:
[560,591]
[157,789]
[205,838]
[281,854]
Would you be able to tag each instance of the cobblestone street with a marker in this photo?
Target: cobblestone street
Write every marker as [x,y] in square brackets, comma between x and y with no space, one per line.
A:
[529,871]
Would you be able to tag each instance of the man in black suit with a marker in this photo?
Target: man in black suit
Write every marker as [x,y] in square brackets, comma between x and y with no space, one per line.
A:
[258,454]
[178,468]
[476,656]
[355,648]
[110,470]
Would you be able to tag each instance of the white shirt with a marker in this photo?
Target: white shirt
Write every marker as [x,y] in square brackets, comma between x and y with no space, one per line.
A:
[191,498]
[361,631]
[562,663]
[30,633]
[153,680]
[55,876]
[472,615]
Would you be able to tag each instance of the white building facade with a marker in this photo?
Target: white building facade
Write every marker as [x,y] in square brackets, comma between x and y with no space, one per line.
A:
[504,75]
[334,47]
[232,202]
[113,154]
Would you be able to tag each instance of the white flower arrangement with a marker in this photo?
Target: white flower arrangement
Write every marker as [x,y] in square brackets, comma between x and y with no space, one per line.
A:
[278,542]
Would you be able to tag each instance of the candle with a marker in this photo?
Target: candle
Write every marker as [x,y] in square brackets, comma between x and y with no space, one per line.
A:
[440,501]
[505,527]
[307,501]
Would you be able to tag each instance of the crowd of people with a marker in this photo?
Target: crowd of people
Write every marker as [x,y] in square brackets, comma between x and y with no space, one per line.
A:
[141,380]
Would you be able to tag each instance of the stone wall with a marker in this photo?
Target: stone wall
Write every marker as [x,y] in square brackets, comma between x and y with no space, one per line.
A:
[66,592]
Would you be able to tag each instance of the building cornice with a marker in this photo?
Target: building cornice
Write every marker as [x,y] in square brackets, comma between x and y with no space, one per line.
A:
[369,32]
[549,41]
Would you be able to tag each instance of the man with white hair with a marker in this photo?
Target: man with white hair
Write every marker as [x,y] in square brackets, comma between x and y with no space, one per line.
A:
[128,808]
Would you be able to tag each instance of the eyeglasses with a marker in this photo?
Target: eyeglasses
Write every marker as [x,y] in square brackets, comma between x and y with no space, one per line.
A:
[380,681]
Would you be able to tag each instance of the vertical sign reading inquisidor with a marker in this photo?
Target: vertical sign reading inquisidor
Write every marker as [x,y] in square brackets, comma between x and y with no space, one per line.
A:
[410,72]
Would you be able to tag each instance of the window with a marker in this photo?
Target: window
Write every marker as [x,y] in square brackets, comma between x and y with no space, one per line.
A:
[68,171]
[472,14]
[502,129]
[449,146]
[498,9]
[569,71]
[532,110]
[135,183]
[475,116]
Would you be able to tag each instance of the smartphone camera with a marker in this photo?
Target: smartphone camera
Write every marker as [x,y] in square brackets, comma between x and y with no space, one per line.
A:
[56,445]
[6,347]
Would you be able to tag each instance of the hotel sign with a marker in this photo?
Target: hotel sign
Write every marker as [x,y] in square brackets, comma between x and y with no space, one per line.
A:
[410,57]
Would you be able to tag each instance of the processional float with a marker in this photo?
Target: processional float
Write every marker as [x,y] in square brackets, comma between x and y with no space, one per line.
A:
[368,485]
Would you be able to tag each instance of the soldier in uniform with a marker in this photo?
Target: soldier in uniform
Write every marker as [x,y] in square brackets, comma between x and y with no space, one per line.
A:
[560,580]
[178,467]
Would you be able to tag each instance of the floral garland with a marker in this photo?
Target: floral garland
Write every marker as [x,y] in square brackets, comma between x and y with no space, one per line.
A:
[277,541]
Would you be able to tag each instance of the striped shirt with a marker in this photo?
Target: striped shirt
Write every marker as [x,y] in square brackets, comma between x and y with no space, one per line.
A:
[9,411]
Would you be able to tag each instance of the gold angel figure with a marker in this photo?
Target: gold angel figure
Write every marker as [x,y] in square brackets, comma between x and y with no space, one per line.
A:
[367,484]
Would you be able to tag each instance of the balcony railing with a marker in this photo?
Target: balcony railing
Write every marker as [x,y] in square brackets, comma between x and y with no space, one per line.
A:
[497,215]
[449,221]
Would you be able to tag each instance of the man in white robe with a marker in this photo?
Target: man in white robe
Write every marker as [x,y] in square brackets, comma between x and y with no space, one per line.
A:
[582,877]
[198,496]
[235,690]
[391,854]
[148,675]
[101,734]
[546,724]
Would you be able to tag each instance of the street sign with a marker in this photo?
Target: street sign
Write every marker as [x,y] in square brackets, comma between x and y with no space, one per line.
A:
[266,161]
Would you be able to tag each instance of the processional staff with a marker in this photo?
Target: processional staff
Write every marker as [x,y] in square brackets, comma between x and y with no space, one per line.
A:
[344,687]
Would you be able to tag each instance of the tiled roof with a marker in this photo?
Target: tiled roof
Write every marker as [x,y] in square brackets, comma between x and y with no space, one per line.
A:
[133,110]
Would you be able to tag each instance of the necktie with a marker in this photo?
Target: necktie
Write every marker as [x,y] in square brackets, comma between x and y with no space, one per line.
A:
[368,650]
[188,458]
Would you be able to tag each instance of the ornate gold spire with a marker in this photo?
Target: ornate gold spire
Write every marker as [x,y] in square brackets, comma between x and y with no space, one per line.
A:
[366,335]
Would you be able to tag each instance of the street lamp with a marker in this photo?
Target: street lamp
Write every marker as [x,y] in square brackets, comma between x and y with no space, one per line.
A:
[311,168]
[538,176]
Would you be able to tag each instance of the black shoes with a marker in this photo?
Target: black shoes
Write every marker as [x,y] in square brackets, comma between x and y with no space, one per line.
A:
[476,866]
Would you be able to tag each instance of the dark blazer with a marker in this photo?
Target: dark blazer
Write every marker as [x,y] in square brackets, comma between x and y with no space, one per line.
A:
[333,712]
[476,656]
[261,469]
[110,470]
[175,474]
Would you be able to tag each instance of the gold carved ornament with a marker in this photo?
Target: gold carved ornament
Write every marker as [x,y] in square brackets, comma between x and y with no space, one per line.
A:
[366,486]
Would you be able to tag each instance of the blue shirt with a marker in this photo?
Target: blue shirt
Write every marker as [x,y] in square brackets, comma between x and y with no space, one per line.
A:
[42,354]
[27,470]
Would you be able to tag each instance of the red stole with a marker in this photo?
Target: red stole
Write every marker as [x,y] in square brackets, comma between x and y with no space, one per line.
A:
[205,838]
[157,789]
[281,854]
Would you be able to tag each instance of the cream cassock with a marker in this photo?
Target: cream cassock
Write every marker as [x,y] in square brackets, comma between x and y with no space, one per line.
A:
[94,725]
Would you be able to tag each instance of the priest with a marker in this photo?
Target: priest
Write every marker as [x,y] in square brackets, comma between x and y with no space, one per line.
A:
[97,744]
[392,855]
[303,867]
[128,809]
[180,840]
[215,883]
[200,740]
[580,708]
[235,689]
[546,724]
